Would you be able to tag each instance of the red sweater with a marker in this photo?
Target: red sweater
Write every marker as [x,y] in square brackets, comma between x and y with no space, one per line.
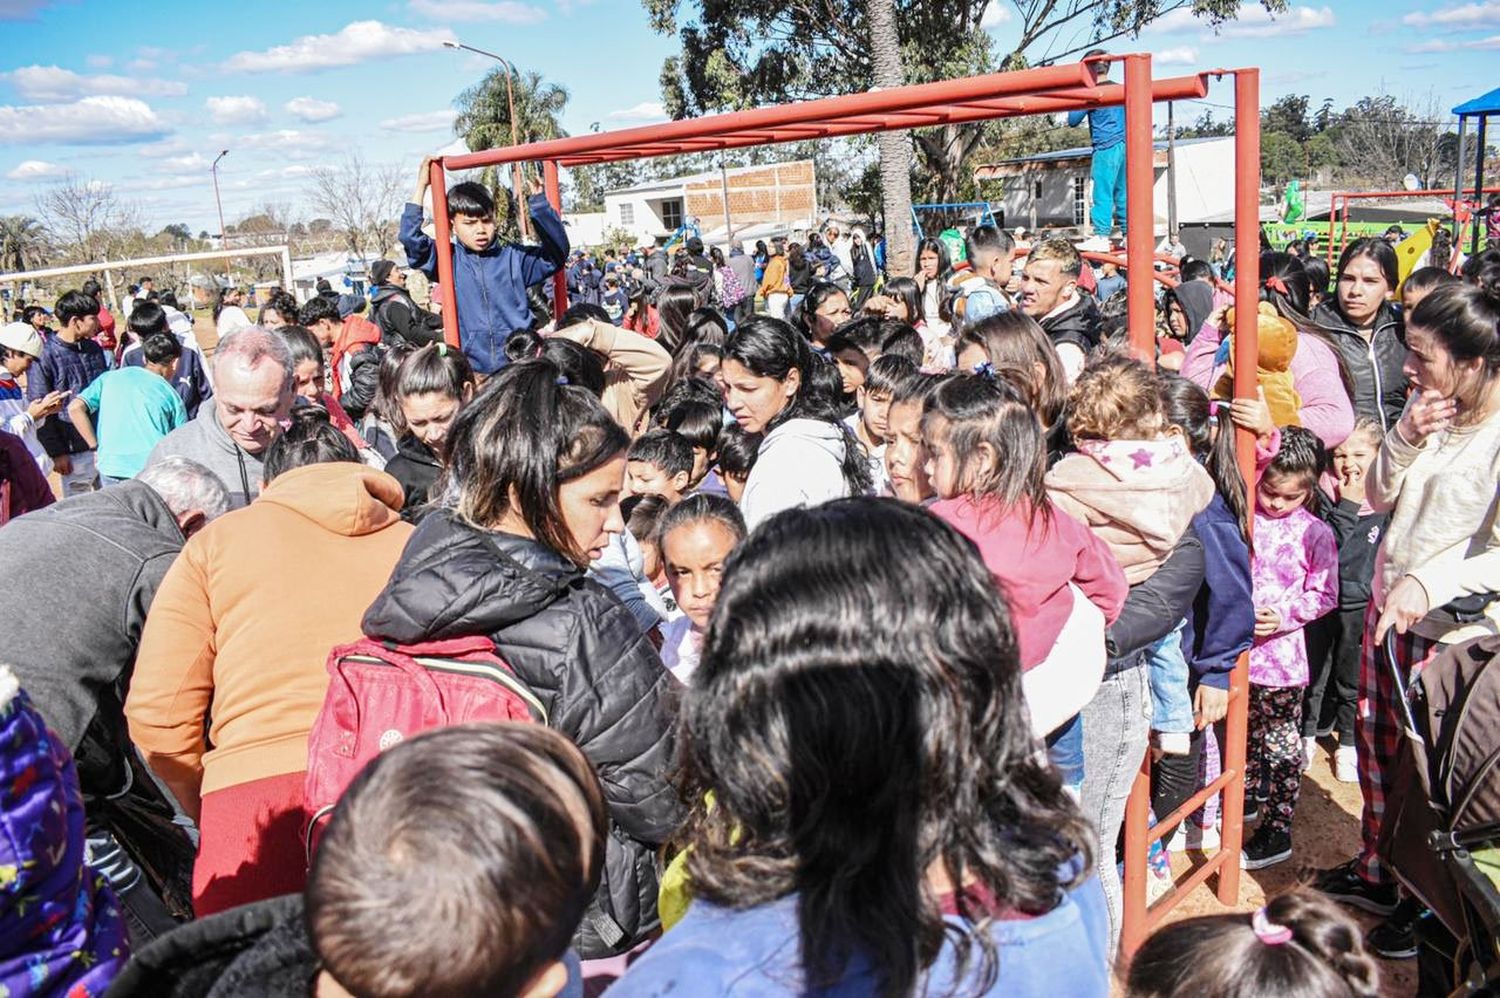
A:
[1033,564]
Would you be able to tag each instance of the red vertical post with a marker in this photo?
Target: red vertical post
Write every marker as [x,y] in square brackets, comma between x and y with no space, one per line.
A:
[1140,219]
[1246,298]
[442,236]
[554,196]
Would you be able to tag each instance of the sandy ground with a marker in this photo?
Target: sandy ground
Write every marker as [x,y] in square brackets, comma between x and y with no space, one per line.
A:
[1325,833]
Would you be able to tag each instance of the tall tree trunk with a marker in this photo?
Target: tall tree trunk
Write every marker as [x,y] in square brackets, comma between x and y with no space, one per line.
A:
[895,147]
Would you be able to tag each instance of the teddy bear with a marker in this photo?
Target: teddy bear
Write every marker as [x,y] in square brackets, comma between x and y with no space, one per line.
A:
[1277,344]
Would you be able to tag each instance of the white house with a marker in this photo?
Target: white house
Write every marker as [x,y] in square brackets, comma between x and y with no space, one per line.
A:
[778,195]
[1053,189]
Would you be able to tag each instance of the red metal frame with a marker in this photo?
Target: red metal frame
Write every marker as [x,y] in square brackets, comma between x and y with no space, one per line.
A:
[997,95]
[1338,209]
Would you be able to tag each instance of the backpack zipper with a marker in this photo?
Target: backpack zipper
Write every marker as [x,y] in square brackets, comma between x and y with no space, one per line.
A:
[490,672]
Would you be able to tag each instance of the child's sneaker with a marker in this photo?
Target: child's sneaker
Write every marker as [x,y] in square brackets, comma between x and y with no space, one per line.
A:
[1193,837]
[1309,749]
[1346,764]
[1266,848]
[1159,872]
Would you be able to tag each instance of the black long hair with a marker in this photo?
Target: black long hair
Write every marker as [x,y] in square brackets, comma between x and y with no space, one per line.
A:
[528,432]
[771,348]
[859,718]
[1187,407]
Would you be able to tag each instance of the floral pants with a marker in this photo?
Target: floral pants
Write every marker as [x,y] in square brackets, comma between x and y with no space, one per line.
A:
[1273,756]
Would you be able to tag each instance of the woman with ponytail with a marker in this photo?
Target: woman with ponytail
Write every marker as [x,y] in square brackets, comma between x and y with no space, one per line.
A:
[531,495]
[1318,372]
[772,386]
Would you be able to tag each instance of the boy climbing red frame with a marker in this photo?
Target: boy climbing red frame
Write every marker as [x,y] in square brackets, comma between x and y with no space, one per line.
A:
[997,95]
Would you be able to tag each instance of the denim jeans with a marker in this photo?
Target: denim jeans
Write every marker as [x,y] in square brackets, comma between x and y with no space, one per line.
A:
[1171,706]
[1065,747]
[1116,729]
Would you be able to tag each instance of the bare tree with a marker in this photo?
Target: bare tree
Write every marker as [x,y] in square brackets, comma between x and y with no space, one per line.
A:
[360,200]
[1380,140]
[79,213]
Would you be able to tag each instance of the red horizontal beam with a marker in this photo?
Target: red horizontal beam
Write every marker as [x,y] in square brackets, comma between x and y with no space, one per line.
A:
[876,102]
[1065,99]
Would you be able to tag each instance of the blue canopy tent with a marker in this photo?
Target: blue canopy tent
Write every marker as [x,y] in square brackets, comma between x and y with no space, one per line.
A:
[1480,108]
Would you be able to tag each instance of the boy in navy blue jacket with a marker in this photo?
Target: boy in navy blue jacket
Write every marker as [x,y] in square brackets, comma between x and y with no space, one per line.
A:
[490,277]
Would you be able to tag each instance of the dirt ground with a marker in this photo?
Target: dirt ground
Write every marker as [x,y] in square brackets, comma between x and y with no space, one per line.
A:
[1325,833]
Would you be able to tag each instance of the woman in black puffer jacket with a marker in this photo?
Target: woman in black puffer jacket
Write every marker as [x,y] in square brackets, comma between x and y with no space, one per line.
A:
[535,468]
[1365,326]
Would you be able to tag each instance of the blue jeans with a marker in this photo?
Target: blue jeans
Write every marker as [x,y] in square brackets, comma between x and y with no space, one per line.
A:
[1108,173]
[1171,707]
[1065,747]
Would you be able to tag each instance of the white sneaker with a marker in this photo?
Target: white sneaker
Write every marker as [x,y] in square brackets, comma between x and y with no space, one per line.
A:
[1095,244]
[1309,747]
[1191,836]
[1346,764]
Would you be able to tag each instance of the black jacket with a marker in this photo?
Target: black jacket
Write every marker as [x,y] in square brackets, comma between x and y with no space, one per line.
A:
[402,320]
[83,573]
[259,950]
[1374,366]
[416,467]
[1153,608]
[864,267]
[585,657]
[1079,325]
[1359,540]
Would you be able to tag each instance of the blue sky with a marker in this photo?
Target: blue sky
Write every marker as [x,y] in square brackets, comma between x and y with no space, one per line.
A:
[141,97]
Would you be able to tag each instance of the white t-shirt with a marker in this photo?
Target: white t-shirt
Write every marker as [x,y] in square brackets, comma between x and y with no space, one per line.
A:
[681,649]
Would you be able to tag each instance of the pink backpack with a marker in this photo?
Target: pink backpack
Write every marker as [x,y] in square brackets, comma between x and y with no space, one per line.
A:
[380,694]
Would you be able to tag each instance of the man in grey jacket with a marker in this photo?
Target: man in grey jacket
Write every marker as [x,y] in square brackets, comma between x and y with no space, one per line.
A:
[102,555]
[253,395]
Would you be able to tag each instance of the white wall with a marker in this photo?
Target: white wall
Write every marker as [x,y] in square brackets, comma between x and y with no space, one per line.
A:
[647,224]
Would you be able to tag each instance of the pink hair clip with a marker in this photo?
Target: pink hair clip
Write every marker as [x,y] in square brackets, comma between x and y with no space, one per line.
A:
[1267,931]
[1213,409]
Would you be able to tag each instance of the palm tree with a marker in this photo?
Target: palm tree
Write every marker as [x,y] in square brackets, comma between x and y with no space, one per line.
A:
[484,120]
[895,147]
[23,243]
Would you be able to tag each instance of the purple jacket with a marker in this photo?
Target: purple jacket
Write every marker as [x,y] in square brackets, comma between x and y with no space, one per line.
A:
[64,934]
[1326,409]
[1295,572]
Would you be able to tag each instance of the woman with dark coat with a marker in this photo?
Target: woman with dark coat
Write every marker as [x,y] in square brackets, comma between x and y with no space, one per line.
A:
[1366,328]
[535,469]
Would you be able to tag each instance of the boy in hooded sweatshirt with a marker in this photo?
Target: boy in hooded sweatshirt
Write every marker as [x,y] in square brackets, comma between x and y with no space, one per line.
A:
[1139,490]
[490,277]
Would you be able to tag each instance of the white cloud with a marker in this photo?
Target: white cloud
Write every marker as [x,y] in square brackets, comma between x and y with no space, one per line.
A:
[1469,15]
[99,61]
[288,143]
[236,110]
[47,84]
[1182,55]
[193,163]
[312,109]
[35,169]
[1252,22]
[424,121]
[504,11]
[166,147]
[90,121]
[355,43]
[646,109]
[1483,44]
[994,15]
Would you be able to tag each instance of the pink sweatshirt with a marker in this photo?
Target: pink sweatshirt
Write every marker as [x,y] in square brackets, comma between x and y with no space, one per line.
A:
[1326,409]
[1295,571]
[1033,564]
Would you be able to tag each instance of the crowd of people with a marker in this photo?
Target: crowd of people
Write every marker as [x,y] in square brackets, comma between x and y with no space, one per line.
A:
[833,615]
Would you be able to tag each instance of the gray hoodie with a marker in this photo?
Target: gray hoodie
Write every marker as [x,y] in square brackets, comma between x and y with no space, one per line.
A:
[801,463]
[204,440]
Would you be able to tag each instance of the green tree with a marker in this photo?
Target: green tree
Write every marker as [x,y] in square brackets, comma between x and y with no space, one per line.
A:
[484,123]
[1207,127]
[1289,117]
[1281,158]
[23,243]
[1325,117]
[737,54]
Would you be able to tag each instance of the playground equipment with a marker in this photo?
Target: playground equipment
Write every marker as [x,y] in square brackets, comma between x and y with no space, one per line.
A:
[1338,213]
[975,212]
[1044,90]
[1481,109]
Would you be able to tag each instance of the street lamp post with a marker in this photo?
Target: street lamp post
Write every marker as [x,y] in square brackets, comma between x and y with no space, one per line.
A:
[223,235]
[510,100]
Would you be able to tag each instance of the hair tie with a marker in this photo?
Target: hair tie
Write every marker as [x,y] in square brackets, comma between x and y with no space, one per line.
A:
[1277,284]
[562,379]
[442,349]
[1268,931]
[984,369]
[1213,408]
